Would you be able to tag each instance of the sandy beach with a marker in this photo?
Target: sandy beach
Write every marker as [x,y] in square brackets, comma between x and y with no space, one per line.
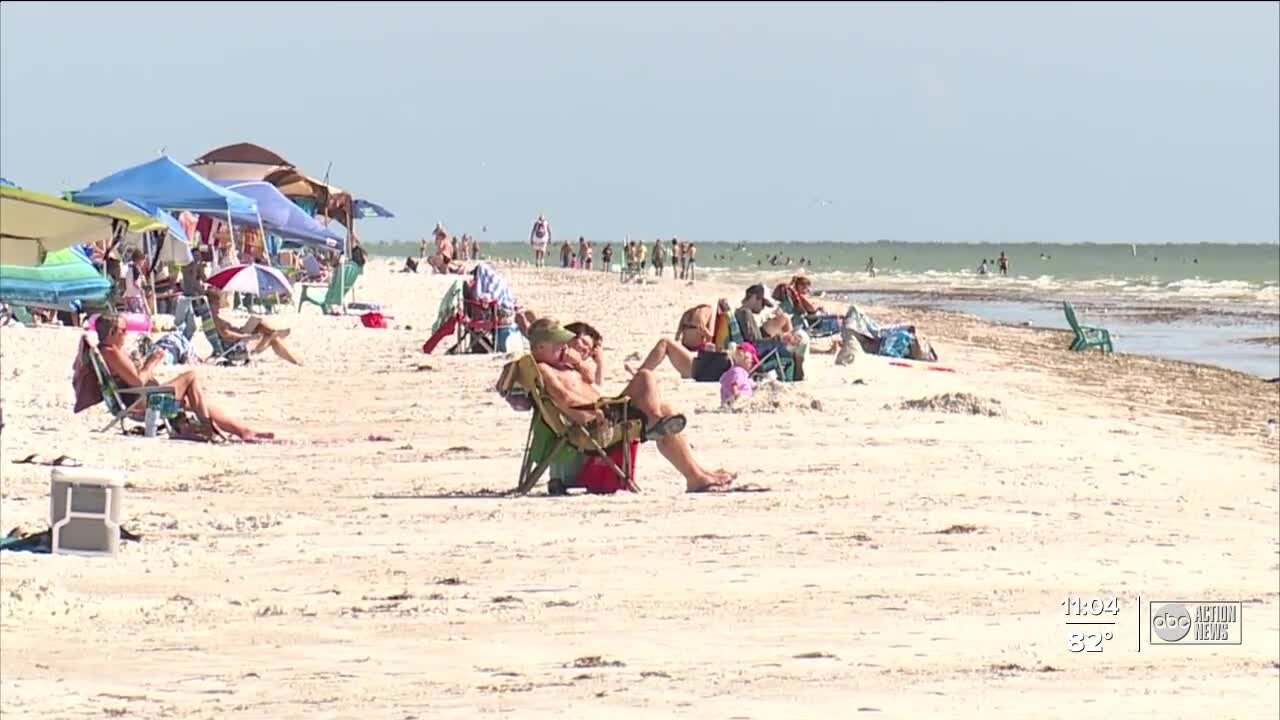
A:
[907,561]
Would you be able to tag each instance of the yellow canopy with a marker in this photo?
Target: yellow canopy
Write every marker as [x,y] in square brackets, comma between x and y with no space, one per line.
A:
[33,224]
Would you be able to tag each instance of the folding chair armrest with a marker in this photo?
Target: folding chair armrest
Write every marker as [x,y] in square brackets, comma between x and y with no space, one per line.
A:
[603,403]
[147,389]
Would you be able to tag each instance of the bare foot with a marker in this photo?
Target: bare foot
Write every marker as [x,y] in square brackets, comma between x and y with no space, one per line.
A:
[718,481]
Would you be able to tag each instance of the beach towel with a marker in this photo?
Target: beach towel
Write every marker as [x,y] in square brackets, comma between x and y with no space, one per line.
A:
[177,346]
[897,343]
[449,305]
[492,287]
[84,380]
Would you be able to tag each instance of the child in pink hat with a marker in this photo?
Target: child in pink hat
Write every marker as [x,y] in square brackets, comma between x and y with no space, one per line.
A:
[736,381]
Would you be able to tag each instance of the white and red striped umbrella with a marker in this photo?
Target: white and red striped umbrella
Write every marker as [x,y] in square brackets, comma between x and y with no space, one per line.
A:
[251,279]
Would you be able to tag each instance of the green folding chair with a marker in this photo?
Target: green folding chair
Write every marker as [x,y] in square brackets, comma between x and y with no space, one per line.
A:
[160,398]
[1086,336]
[342,282]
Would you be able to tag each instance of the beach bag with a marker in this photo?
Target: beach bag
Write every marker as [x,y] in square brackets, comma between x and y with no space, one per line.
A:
[373,320]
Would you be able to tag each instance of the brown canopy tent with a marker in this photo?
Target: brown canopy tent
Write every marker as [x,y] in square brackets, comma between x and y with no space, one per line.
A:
[330,200]
[246,161]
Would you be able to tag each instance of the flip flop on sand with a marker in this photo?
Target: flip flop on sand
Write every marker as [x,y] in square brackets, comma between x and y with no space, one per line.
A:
[60,461]
[670,425]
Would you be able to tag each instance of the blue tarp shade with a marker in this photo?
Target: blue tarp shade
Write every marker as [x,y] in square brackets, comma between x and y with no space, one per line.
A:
[6,183]
[366,209]
[66,276]
[165,183]
[175,227]
[283,217]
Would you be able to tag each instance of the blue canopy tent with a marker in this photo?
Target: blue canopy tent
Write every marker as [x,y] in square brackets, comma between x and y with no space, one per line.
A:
[5,182]
[283,217]
[166,183]
[172,225]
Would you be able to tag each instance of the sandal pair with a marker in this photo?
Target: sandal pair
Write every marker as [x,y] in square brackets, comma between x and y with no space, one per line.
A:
[60,461]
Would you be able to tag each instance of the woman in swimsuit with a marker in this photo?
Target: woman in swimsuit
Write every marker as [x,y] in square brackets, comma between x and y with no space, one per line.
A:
[693,335]
[695,329]
[186,387]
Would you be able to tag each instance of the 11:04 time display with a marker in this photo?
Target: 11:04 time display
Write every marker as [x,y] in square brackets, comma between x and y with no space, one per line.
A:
[1091,606]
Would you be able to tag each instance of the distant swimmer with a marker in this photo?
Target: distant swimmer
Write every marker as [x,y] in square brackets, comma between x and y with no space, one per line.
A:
[1003,263]
[895,258]
[982,267]
[1195,261]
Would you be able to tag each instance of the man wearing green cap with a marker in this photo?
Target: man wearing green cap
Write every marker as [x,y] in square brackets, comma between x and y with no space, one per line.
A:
[558,363]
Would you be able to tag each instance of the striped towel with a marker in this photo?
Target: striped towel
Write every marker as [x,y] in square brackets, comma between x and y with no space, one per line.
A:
[493,287]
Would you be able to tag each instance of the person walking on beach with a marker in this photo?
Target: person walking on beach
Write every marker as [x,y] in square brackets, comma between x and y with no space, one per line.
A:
[690,259]
[539,239]
[659,257]
[566,253]
[606,258]
[1003,262]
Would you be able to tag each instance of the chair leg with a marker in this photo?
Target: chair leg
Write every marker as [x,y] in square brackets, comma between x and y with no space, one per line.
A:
[628,466]
[117,419]
[530,480]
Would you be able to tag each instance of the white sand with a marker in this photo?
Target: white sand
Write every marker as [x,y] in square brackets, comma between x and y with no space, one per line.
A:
[319,578]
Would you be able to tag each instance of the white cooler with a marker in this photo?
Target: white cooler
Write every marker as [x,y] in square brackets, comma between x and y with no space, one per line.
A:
[84,510]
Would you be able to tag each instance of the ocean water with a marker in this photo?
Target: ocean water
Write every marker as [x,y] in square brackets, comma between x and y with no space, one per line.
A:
[1208,271]
[1187,302]
[1207,340]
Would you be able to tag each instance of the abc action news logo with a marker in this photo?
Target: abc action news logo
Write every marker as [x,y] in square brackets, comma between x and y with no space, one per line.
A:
[1195,623]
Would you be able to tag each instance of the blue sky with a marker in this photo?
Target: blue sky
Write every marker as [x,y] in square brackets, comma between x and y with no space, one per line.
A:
[916,121]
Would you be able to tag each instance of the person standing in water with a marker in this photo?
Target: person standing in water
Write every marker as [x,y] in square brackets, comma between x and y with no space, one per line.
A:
[539,239]
[871,266]
[1003,262]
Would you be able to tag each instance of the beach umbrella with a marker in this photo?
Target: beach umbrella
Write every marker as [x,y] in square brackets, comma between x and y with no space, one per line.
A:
[366,209]
[65,276]
[251,279]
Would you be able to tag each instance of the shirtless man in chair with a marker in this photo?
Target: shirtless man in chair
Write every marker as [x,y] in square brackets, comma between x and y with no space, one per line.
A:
[557,362]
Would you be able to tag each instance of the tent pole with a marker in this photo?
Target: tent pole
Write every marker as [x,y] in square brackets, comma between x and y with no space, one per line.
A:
[262,235]
[231,233]
[351,233]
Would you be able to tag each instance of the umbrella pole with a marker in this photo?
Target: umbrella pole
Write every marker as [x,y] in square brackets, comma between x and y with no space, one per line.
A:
[158,238]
